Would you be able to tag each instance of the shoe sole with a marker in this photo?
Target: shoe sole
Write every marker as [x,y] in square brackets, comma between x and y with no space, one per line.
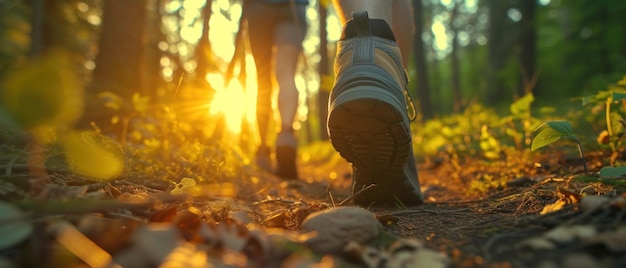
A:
[367,127]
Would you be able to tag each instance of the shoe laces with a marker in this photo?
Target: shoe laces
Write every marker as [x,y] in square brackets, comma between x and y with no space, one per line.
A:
[411,110]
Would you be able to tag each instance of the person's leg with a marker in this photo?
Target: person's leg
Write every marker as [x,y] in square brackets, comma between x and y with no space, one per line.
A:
[288,37]
[260,32]
[368,123]
[376,9]
[399,15]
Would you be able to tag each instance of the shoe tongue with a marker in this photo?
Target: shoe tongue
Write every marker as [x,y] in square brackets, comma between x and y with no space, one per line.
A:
[377,27]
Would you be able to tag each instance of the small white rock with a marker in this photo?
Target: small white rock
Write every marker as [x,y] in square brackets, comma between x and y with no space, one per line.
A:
[329,231]
[593,202]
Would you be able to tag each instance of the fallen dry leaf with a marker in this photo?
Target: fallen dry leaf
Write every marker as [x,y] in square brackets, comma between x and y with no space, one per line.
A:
[557,205]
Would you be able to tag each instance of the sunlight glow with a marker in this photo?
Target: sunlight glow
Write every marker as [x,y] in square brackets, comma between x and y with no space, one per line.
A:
[441,36]
[236,100]
[333,28]
[94,20]
[222,35]
[229,102]
[82,7]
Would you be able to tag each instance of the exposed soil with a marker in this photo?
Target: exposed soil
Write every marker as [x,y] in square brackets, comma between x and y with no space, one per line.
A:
[489,229]
[478,212]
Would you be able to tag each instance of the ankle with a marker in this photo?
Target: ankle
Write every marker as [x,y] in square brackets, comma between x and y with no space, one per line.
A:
[377,27]
[286,129]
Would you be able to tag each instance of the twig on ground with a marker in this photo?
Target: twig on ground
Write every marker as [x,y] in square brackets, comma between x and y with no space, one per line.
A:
[512,196]
[431,211]
[366,188]
[275,200]
[126,216]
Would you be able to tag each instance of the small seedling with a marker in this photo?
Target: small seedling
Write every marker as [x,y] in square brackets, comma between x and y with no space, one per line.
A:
[184,184]
[551,131]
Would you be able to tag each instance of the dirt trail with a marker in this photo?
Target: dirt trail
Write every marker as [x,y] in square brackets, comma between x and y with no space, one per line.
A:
[493,229]
[508,213]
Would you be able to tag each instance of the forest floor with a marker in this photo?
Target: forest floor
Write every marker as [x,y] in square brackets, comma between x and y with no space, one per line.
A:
[477,213]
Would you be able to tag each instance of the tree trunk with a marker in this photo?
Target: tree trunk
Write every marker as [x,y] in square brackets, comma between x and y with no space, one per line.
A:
[423,88]
[121,45]
[528,43]
[152,79]
[119,63]
[203,52]
[454,60]
[36,34]
[43,35]
[496,53]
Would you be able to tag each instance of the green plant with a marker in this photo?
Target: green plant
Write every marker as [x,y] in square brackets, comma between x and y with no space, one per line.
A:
[520,123]
[42,98]
[552,131]
[612,135]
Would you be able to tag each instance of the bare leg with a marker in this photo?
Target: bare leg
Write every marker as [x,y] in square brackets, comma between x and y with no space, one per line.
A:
[287,54]
[399,15]
[380,9]
[260,32]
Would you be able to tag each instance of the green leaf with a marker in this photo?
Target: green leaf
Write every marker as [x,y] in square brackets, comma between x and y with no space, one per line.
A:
[602,96]
[618,96]
[607,172]
[550,132]
[561,126]
[622,82]
[111,100]
[13,226]
[547,110]
[92,156]
[522,106]
[44,92]
[616,126]
[188,182]
[488,144]
[593,179]
[141,103]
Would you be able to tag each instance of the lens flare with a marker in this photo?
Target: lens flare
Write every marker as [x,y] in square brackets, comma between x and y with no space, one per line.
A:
[230,102]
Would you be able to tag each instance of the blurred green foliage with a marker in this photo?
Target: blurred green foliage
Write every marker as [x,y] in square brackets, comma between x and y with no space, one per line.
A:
[14,33]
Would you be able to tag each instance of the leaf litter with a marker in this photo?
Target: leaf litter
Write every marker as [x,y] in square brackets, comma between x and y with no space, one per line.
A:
[538,214]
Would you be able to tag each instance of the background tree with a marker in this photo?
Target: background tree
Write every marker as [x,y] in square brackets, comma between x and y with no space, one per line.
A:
[203,53]
[528,45]
[454,58]
[419,55]
[484,51]
[499,42]
[119,62]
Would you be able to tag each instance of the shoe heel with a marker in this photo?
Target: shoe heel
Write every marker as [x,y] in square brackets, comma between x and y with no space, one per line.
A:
[286,162]
[370,129]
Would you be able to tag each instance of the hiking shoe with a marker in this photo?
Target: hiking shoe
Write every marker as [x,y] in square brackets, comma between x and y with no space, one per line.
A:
[286,144]
[368,123]
[262,158]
